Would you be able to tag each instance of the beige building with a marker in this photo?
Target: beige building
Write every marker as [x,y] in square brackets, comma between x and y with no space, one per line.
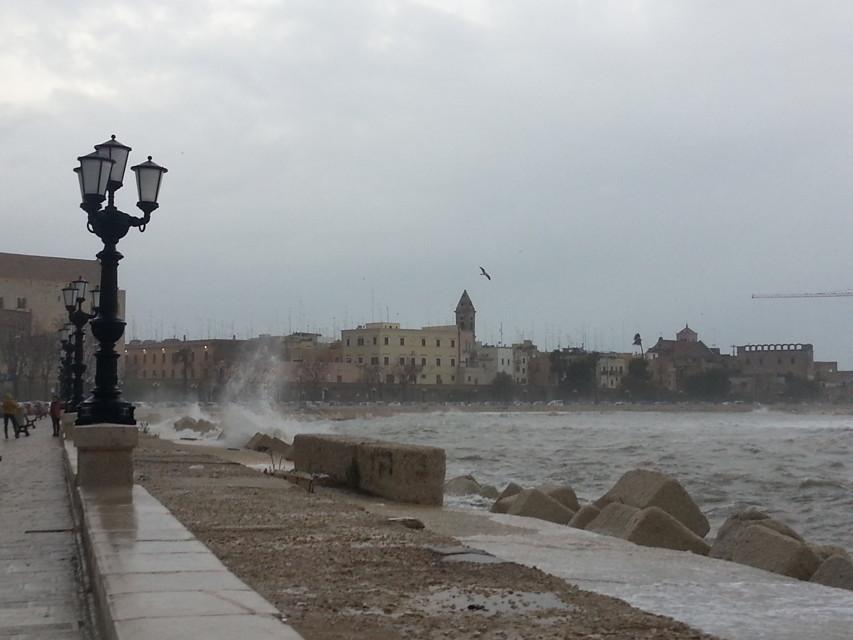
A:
[611,368]
[33,284]
[389,354]
[776,360]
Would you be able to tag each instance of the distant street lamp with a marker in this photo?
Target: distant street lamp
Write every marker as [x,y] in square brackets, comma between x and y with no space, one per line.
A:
[67,349]
[101,174]
[74,295]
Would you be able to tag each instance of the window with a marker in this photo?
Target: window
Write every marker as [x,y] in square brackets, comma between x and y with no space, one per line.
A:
[360,360]
[438,362]
[453,343]
[144,358]
[792,361]
[423,342]
[402,361]
[437,342]
[374,360]
[1,302]
[385,360]
[402,342]
[413,362]
[453,362]
[134,358]
[340,379]
[438,379]
[386,340]
[423,362]
[348,342]
[374,339]
[22,303]
[389,378]
[360,341]
[205,355]
[453,378]
[163,358]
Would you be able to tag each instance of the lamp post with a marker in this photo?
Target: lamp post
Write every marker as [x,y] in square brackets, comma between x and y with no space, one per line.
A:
[74,295]
[101,174]
[65,364]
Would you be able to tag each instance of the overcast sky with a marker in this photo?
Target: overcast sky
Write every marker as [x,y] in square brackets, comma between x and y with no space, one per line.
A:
[617,166]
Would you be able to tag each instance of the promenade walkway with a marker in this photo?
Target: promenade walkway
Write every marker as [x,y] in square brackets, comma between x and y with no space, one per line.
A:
[39,564]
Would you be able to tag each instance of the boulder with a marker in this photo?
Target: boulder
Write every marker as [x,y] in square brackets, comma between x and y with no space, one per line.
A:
[654,527]
[764,548]
[826,551]
[511,489]
[267,444]
[488,491]
[724,545]
[462,486]
[613,520]
[563,494]
[643,488]
[532,503]
[584,516]
[836,571]
[502,505]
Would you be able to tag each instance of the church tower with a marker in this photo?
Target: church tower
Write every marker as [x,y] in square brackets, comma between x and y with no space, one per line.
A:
[465,314]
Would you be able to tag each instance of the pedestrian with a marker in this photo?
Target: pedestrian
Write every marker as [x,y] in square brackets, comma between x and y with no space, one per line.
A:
[55,415]
[10,408]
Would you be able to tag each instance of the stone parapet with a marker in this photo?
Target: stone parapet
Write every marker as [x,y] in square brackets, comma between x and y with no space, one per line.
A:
[67,424]
[406,473]
[105,455]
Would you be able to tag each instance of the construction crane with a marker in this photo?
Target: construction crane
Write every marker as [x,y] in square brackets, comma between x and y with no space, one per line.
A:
[820,294]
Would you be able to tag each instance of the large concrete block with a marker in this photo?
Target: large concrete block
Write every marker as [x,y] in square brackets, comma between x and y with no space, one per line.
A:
[584,516]
[836,571]
[502,505]
[105,455]
[532,503]
[643,488]
[462,486]
[654,527]
[613,520]
[726,541]
[563,494]
[766,549]
[406,473]
[512,489]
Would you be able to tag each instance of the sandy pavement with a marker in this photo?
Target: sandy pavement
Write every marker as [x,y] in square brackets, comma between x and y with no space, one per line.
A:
[337,571]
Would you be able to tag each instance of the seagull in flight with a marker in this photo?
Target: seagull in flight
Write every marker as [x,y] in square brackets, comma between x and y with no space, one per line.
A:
[483,273]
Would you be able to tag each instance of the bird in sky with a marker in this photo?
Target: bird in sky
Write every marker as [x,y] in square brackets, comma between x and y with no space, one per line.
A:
[483,273]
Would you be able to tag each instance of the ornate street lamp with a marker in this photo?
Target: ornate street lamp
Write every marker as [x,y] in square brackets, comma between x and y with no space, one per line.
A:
[101,174]
[65,367]
[74,295]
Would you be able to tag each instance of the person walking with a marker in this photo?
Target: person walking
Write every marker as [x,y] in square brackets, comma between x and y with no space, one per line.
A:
[10,408]
[55,415]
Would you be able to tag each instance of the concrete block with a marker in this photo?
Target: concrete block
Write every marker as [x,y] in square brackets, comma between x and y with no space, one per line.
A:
[512,489]
[406,473]
[563,494]
[836,571]
[726,541]
[643,488]
[462,486]
[105,455]
[502,505]
[532,503]
[766,549]
[613,520]
[654,527]
[584,516]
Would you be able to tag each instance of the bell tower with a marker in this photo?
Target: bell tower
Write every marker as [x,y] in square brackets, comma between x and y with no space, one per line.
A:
[465,314]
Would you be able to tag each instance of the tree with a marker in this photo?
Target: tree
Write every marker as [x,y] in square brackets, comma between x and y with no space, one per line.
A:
[713,384]
[407,373]
[637,383]
[503,386]
[312,374]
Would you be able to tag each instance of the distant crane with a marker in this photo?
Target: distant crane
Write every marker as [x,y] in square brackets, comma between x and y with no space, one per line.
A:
[819,294]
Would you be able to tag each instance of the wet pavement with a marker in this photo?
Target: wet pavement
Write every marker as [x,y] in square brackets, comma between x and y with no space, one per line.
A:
[40,593]
[725,599]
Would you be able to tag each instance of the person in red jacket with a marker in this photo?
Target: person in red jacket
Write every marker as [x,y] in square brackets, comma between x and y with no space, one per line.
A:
[55,414]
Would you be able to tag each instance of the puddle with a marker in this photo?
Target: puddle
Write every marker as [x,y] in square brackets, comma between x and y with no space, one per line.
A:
[489,602]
